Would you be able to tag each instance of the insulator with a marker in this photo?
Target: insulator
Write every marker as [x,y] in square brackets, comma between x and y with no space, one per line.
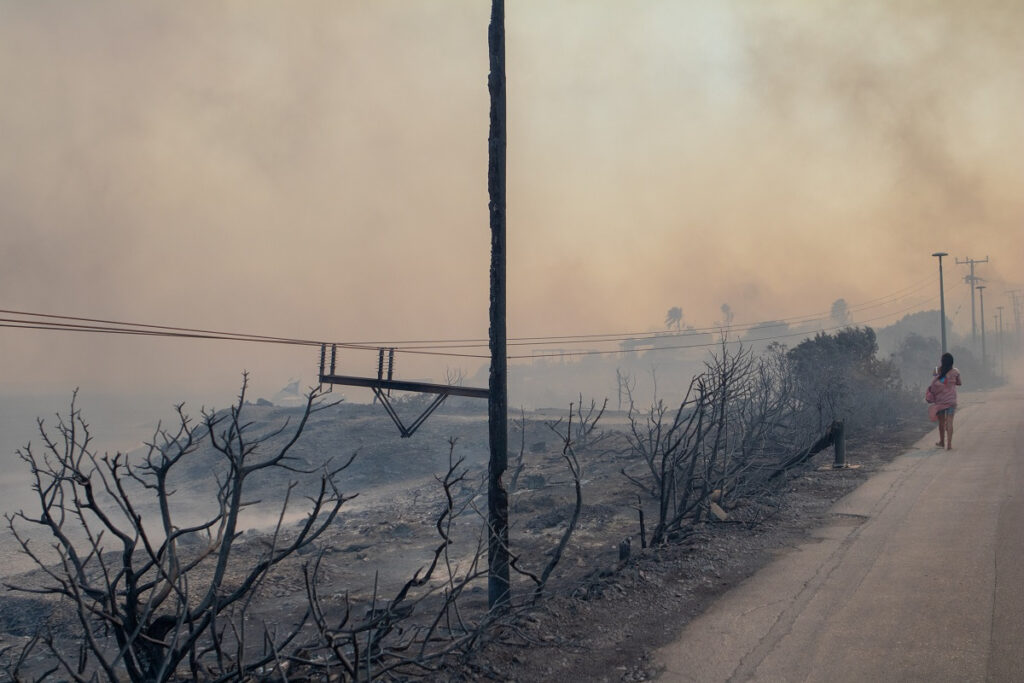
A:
[391,366]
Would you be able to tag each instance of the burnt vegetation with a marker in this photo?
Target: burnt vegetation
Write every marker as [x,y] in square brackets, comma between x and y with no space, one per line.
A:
[133,582]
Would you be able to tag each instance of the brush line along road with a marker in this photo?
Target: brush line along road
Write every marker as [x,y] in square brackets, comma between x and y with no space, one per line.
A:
[919,576]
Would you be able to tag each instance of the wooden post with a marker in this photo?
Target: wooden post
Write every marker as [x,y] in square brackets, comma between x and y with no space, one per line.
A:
[498,588]
[839,444]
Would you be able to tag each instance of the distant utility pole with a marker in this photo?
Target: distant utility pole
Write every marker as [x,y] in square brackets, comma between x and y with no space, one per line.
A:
[1016,316]
[972,281]
[942,300]
[999,324]
[981,300]
[498,585]
[618,378]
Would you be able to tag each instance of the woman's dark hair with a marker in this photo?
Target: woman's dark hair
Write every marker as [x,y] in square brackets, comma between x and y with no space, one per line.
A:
[947,365]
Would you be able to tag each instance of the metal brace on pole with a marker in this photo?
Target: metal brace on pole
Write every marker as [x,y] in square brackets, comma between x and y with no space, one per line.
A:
[383,385]
[406,432]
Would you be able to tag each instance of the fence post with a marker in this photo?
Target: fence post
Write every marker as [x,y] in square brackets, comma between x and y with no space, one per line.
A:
[839,444]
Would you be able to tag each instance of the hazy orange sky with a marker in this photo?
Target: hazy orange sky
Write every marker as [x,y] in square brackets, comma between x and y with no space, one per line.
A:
[318,170]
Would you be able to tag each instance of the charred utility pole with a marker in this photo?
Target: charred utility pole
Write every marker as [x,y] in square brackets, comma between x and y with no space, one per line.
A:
[972,282]
[498,587]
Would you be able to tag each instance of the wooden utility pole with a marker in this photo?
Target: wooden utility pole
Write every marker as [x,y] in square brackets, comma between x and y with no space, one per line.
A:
[981,300]
[1016,316]
[1002,360]
[972,281]
[498,588]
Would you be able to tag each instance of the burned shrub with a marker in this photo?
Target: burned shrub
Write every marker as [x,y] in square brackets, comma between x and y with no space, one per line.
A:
[839,377]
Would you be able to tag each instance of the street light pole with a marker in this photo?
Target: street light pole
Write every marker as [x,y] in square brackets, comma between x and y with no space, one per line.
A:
[942,301]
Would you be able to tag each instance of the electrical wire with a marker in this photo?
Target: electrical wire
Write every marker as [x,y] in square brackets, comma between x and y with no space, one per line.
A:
[44,321]
[610,337]
[725,340]
[53,322]
[186,333]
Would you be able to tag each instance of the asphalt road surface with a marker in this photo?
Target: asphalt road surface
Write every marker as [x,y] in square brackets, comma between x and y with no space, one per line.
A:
[919,576]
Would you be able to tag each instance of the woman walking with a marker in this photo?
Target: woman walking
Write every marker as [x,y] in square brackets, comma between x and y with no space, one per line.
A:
[942,397]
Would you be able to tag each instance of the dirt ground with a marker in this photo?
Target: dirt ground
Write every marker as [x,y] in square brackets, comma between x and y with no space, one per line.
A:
[601,617]
[608,631]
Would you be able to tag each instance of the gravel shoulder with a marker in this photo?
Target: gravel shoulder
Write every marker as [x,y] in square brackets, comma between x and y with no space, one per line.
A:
[608,630]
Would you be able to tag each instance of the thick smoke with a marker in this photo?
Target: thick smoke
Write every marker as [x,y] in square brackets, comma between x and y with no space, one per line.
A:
[320,171]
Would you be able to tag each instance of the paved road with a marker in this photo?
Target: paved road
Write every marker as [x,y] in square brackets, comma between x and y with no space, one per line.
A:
[919,577]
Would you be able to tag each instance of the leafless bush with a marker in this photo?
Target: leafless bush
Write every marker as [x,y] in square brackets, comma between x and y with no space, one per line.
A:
[625,385]
[415,630]
[159,596]
[151,603]
[586,422]
[15,662]
[734,420]
[515,460]
[755,421]
[568,433]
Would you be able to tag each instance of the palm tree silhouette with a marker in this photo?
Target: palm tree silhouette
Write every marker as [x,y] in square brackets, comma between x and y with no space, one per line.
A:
[674,318]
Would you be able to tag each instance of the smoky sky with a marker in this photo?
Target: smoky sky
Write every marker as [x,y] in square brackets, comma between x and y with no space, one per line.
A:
[318,170]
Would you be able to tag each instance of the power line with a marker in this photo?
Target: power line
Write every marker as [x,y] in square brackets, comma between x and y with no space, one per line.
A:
[68,327]
[188,333]
[65,323]
[891,298]
[661,334]
[800,333]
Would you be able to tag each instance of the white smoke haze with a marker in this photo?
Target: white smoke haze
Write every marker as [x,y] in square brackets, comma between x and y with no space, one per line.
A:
[318,170]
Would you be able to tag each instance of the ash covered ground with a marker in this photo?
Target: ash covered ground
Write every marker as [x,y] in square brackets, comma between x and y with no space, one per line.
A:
[600,616]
